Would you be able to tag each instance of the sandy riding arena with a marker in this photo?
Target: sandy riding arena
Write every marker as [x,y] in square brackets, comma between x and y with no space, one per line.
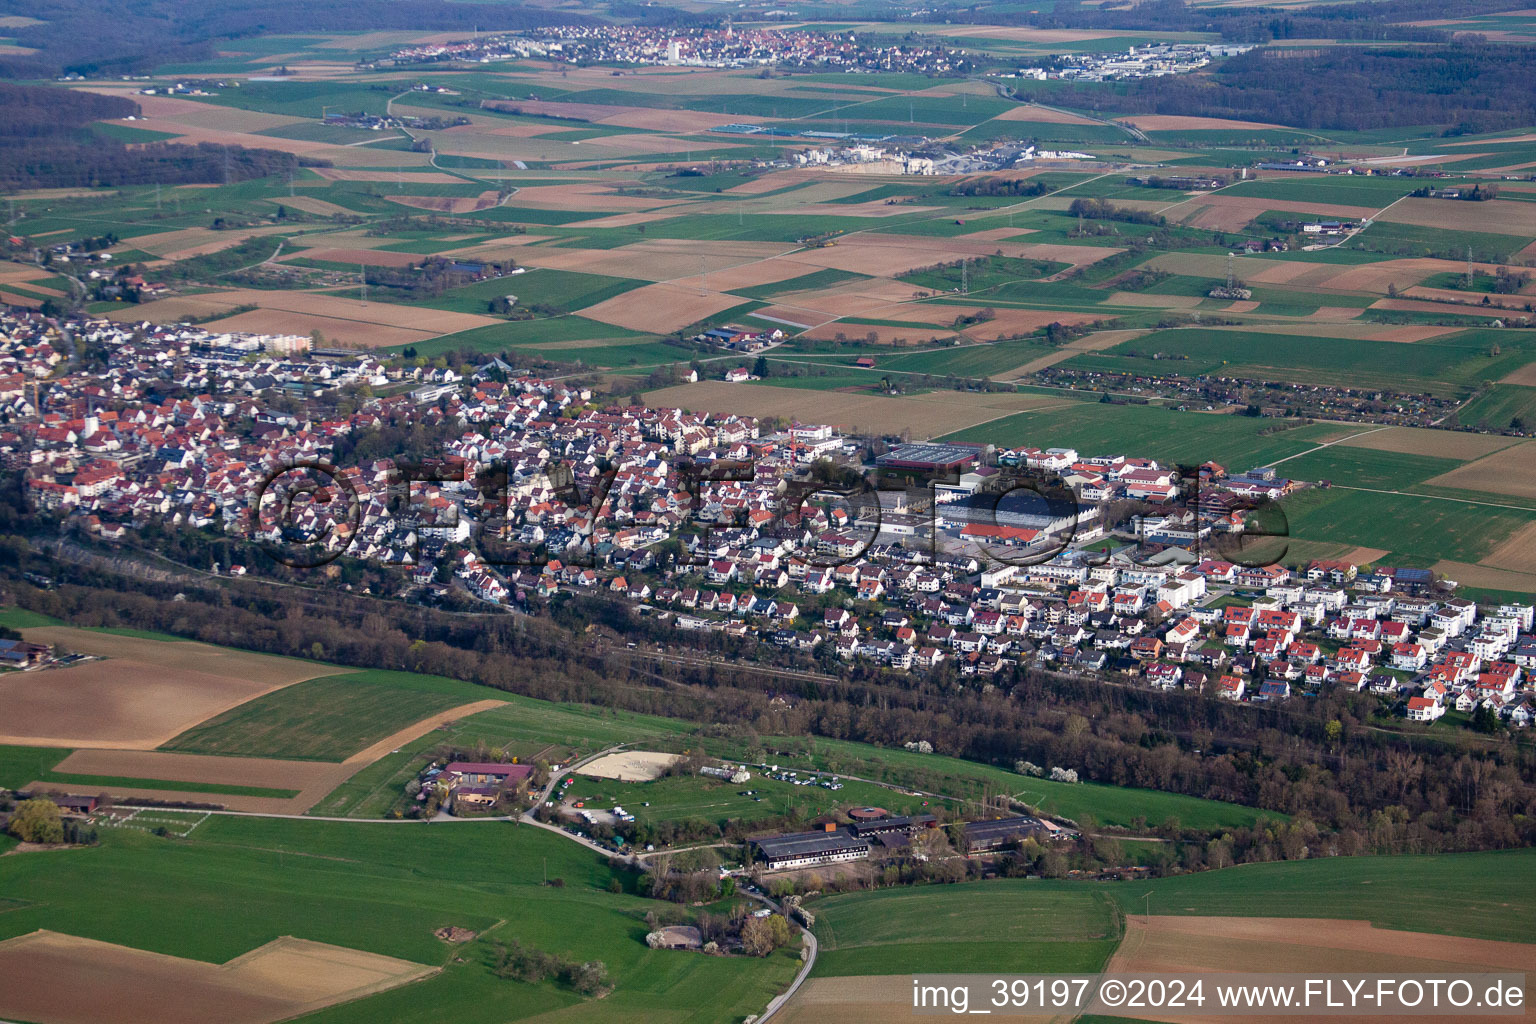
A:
[62,979]
[1258,944]
[630,766]
[142,695]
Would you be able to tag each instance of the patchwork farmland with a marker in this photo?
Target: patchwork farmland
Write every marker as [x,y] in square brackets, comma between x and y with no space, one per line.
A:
[612,287]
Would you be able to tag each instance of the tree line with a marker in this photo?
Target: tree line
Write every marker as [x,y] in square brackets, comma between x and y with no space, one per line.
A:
[46,142]
[1325,761]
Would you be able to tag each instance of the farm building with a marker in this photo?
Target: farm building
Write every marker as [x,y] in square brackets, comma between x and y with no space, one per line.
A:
[903,824]
[994,835]
[471,797]
[475,784]
[68,803]
[20,654]
[803,849]
[867,813]
[677,936]
[727,772]
[481,773]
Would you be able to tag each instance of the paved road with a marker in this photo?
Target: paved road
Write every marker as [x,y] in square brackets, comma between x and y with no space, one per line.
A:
[778,1002]
[527,818]
[549,788]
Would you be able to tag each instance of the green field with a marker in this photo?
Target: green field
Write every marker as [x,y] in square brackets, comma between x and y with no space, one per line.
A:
[1031,924]
[1419,529]
[1238,442]
[128,133]
[1415,240]
[617,346]
[237,883]
[1500,407]
[1456,894]
[21,765]
[325,719]
[21,618]
[1362,467]
[1453,364]
[560,288]
[526,728]
[992,926]
[1106,805]
[531,729]
[1331,189]
[698,798]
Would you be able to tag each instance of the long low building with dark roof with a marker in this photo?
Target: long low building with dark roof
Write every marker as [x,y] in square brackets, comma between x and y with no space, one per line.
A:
[993,835]
[804,849]
[902,824]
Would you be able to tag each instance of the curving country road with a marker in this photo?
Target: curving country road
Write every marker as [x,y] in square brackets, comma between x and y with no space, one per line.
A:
[527,818]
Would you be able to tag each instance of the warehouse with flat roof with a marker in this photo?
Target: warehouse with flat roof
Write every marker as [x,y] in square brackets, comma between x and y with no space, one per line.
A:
[930,458]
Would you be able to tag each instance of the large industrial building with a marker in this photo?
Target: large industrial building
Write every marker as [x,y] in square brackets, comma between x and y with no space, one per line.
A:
[930,458]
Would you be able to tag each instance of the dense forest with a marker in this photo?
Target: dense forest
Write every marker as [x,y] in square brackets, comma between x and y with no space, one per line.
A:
[1323,762]
[1464,87]
[90,38]
[45,142]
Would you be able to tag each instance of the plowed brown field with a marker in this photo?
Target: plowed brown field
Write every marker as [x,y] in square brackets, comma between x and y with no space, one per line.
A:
[143,694]
[1510,470]
[63,979]
[1256,944]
